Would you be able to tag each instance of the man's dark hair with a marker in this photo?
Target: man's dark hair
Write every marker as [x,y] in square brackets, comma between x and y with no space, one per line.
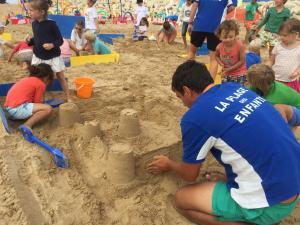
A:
[166,25]
[139,1]
[193,75]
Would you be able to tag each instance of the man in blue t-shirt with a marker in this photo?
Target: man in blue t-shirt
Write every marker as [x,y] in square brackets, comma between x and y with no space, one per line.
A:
[251,141]
[209,15]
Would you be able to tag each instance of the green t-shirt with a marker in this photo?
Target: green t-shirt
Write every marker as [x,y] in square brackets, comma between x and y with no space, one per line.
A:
[250,10]
[273,19]
[281,94]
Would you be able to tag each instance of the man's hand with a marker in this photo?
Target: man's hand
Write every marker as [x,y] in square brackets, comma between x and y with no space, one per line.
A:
[190,28]
[160,164]
[48,46]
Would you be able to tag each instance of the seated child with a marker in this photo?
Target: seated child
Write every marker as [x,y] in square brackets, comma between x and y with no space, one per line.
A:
[141,31]
[253,55]
[167,34]
[230,53]
[78,41]
[66,52]
[23,53]
[2,42]
[285,99]
[94,45]
[25,98]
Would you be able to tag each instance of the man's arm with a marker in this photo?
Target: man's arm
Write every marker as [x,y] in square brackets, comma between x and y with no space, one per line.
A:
[161,163]
[192,15]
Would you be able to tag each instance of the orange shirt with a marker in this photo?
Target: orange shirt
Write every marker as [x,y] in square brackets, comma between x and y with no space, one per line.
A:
[27,90]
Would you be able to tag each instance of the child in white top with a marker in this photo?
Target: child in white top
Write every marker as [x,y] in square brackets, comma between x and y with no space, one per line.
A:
[140,12]
[91,17]
[2,42]
[285,58]
[142,30]
[185,17]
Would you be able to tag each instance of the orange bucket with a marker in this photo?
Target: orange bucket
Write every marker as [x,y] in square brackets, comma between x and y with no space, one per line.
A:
[84,86]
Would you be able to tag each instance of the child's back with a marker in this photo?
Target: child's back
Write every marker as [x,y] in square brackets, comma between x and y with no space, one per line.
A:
[100,48]
[27,90]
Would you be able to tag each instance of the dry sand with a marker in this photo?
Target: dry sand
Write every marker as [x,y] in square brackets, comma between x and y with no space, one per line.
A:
[108,140]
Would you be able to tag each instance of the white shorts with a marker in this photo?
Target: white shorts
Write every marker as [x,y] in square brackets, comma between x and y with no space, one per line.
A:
[57,64]
[24,55]
[20,112]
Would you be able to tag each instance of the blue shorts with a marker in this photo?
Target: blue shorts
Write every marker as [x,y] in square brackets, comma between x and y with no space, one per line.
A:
[184,28]
[295,120]
[21,112]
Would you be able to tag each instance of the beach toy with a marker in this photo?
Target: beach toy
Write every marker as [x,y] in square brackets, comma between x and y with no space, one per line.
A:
[96,59]
[84,86]
[59,158]
[6,36]
[4,120]
[55,102]
[203,50]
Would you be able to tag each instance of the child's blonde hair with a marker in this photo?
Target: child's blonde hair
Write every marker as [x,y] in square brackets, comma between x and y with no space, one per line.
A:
[227,26]
[89,36]
[261,77]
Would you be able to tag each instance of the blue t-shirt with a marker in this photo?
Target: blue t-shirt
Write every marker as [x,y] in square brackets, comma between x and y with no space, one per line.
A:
[209,15]
[252,59]
[249,138]
[100,48]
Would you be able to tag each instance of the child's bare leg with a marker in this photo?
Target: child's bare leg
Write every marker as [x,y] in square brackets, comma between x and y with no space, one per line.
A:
[184,42]
[40,112]
[64,84]
[195,203]
[172,37]
[192,52]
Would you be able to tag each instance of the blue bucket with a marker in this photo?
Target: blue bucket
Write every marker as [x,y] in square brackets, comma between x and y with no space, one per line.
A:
[203,50]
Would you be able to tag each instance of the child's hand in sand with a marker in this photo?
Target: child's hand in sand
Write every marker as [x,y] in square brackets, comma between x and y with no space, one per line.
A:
[160,164]
[48,46]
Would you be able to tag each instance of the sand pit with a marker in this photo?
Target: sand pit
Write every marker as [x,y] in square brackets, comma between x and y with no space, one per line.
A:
[108,139]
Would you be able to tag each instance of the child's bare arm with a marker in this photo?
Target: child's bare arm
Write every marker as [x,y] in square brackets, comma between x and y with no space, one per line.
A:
[11,56]
[10,45]
[271,60]
[295,74]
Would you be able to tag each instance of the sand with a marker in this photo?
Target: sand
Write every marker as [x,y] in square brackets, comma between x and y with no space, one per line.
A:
[108,139]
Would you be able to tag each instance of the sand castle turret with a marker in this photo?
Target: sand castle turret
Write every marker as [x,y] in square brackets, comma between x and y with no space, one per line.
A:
[68,114]
[88,130]
[121,164]
[129,125]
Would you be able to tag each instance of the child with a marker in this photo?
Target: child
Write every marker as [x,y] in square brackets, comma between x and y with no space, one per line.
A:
[141,11]
[23,53]
[141,30]
[2,42]
[94,45]
[167,34]
[251,9]
[286,100]
[66,53]
[77,40]
[46,41]
[25,99]
[253,55]
[91,17]
[185,17]
[230,53]
[274,17]
[285,58]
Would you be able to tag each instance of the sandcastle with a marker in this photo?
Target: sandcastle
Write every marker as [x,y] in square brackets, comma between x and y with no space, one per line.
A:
[68,114]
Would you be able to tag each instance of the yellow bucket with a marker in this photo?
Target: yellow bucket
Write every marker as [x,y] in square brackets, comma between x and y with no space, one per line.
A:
[84,86]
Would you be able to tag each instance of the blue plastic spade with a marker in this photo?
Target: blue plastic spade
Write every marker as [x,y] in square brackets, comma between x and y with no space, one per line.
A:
[59,158]
[4,120]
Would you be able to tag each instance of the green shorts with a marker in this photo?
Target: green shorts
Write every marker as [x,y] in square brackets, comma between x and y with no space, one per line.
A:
[226,209]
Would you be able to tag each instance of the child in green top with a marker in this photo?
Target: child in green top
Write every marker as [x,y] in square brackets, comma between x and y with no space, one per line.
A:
[251,9]
[285,99]
[274,17]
